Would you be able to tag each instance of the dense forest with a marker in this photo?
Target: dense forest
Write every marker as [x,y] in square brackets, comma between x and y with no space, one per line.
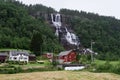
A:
[104,31]
[17,28]
[18,22]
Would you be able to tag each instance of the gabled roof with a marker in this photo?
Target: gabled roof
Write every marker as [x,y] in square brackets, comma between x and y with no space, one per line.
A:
[3,54]
[65,53]
[87,51]
[15,53]
[32,55]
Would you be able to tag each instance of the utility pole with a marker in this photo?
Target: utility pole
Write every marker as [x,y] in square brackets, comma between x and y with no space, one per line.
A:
[92,58]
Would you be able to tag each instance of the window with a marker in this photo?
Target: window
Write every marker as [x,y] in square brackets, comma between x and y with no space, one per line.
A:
[25,58]
[15,58]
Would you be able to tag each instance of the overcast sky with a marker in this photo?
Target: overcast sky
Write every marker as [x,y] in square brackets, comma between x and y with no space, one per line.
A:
[102,7]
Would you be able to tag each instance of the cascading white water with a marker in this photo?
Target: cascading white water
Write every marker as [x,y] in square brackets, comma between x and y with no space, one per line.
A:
[56,20]
[70,37]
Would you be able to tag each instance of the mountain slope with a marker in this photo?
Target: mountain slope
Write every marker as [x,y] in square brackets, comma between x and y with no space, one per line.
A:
[17,27]
[104,31]
[19,21]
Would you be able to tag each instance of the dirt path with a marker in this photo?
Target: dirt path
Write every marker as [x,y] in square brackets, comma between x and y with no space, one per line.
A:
[60,75]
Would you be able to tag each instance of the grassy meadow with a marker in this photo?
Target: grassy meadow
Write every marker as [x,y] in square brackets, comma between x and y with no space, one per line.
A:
[100,62]
[61,75]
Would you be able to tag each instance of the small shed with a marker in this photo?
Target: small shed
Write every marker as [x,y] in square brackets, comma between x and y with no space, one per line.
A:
[3,57]
[32,57]
[67,56]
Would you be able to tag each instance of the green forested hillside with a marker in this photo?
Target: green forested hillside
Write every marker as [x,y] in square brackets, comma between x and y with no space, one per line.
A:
[104,31]
[18,22]
[17,27]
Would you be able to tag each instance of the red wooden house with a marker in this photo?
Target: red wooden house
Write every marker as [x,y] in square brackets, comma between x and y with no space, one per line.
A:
[67,56]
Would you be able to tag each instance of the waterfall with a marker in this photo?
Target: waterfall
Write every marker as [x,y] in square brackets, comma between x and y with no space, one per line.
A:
[56,20]
[70,37]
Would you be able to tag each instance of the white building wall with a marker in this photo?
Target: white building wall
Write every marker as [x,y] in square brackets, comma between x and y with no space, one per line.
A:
[18,57]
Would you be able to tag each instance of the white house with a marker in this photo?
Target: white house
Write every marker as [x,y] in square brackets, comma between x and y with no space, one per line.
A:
[19,56]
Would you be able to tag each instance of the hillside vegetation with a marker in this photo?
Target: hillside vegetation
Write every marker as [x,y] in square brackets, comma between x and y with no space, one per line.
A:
[18,22]
[17,28]
[104,31]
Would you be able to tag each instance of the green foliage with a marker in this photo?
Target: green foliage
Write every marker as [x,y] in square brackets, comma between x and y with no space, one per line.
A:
[47,63]
[16,62]
[35,10]
[105,31]
[36,43]
[105,66]
[78,57]
[10,69]
[18,22]
[17,26]
[116,68]
[84,59]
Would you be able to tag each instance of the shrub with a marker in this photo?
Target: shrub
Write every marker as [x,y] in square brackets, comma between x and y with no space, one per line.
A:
[18,69]
[116,68]
[106,67]
[17,62]
[9,69]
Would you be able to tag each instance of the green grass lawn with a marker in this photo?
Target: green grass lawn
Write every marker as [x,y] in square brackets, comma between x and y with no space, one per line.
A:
[10,49]
[100,62]
[28,65]
[33,65]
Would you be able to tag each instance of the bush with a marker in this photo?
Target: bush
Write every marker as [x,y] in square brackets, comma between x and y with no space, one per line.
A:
[116,68]
[106,67]
[9,69]
[18,69]
[47,63]
[17,62]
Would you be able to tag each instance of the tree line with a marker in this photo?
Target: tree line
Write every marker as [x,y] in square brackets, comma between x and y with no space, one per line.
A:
[103,30]
[18,24]
[17,28]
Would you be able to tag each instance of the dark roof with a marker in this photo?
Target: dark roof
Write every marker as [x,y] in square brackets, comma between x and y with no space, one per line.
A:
[3,54]
[70,65]
[15,53]
[65,53]
[31,54]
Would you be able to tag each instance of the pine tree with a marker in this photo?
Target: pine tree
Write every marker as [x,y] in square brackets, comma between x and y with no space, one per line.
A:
[36,43]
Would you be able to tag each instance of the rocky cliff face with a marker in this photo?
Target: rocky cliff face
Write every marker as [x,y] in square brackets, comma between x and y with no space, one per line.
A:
[65,34]
[62,30]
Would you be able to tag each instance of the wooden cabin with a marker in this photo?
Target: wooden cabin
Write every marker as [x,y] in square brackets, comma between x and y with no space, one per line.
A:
[3,57]
[67,56]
